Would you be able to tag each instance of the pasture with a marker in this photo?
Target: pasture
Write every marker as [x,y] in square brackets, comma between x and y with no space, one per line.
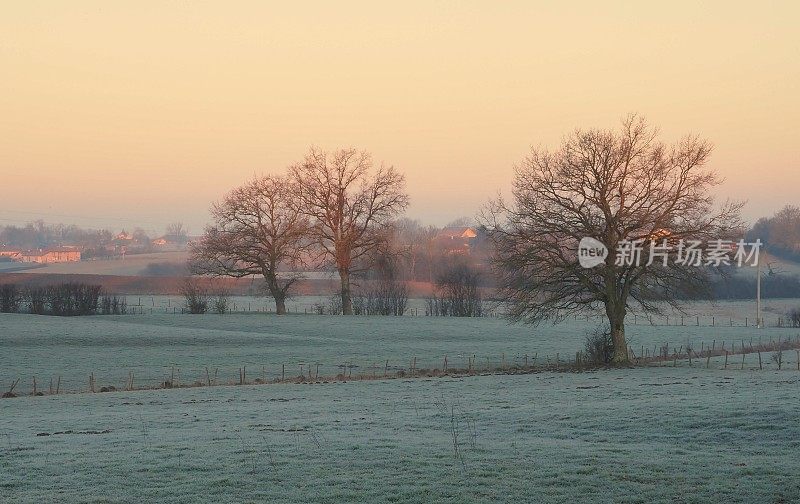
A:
[159,346]
[649,434]
[637,435]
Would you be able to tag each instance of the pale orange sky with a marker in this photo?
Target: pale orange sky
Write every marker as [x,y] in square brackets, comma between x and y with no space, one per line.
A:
[117,113]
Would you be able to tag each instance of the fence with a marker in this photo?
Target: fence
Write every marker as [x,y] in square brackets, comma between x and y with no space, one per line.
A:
[316,372]
[243,306]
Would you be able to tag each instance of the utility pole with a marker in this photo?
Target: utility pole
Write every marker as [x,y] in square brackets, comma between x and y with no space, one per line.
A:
[758,293]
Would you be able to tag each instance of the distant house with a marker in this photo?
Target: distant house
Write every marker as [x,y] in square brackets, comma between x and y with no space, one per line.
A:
[50,255]
[457,233]
[11,253]
[170,242]
[456,240]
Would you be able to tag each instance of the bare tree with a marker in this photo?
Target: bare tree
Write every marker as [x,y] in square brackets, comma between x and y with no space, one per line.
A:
[176,232]
[257,229]
[351,206]
[613,187]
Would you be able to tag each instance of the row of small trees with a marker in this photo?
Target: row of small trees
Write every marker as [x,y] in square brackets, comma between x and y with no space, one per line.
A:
[65,299]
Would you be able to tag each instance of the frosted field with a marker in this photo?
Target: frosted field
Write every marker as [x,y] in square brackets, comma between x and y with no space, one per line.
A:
[151,346]
[643,435]
[657,434]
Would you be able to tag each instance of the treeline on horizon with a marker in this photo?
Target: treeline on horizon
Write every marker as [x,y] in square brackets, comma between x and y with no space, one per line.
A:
[92,242]
[426,261]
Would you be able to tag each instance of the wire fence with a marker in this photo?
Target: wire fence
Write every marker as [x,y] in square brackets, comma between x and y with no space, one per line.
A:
[782,354]
[152,305]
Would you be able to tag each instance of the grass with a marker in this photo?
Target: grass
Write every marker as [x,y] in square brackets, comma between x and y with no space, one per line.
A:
[642,435]
[654,434]
[153,346]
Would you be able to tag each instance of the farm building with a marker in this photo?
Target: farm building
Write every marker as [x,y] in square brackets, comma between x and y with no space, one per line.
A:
[50,255]
[457,233]
[11,253]
[456,240]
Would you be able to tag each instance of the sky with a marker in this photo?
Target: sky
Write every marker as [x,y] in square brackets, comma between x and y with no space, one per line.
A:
[117,114]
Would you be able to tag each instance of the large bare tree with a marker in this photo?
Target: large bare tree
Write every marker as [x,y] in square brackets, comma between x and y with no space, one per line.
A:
[258,228]
[351,205]
[616,187]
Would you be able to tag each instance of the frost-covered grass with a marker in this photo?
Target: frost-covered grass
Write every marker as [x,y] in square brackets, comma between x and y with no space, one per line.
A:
[641,435]
[655,434]
[150,346]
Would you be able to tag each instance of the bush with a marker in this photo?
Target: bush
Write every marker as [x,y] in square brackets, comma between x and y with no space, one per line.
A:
[37,300]
[457,294]
[389,297]
[70,299]
[334,306]
[794,317]
[10,298]
[221,302]
[437,307]
[599,347]
[64,300]
[195,296]
[113,305]
[388,293]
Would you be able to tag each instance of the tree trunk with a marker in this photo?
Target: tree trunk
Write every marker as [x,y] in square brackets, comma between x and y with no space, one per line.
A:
[347,301]
[616,321]
[620,345]
[280,304]
[276,292]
